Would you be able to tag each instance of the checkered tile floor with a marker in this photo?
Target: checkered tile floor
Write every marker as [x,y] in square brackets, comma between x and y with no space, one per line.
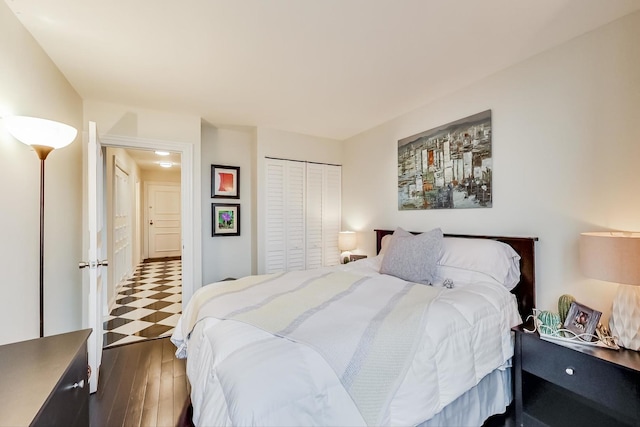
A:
[148,305]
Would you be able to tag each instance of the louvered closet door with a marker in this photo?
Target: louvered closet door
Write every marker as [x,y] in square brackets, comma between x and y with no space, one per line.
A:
[275,247]
[314,215]
[295,215]
[331,212]
[285,216]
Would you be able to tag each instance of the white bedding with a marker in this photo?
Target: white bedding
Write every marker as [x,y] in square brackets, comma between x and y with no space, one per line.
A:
[242,375]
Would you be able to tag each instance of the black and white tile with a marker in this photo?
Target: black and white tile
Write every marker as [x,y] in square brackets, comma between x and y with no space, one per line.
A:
[148,305]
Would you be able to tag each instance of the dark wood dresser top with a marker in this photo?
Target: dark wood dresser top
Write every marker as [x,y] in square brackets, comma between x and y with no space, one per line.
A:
[30,371]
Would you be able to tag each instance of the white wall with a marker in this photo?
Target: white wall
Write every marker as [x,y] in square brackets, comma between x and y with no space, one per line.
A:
[292,146]
[566,152]
[228,256]
[31,85]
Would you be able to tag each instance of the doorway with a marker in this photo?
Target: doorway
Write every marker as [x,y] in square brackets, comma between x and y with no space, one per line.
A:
[189,243]
[143,296]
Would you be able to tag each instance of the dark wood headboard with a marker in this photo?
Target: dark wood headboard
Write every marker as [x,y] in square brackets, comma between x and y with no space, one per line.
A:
[525,290]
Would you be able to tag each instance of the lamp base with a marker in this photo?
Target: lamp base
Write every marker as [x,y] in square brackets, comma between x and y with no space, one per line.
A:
[345,257]
[625,317]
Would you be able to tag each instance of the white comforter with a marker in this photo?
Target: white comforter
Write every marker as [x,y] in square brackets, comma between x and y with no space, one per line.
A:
[243,375]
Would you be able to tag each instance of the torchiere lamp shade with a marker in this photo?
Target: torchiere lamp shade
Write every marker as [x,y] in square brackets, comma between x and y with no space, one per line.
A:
[615,257]
[40,132]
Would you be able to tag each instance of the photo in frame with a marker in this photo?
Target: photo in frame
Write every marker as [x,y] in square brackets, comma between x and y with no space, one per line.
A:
[582,319]
[225,219]
[225,182]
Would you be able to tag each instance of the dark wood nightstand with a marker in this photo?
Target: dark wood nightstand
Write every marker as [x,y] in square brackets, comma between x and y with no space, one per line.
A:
[558,385]
[354,257]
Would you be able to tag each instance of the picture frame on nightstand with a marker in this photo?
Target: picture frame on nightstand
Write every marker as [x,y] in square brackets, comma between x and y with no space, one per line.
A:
[582,319]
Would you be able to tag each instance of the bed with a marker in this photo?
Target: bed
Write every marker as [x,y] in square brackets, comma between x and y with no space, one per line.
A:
[366,343]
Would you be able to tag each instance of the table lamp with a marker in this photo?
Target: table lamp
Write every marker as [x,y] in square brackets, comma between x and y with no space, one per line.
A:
[347,241]
[615,257]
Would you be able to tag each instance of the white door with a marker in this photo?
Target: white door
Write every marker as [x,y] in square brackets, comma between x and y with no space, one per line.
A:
[94,279]
[164,220]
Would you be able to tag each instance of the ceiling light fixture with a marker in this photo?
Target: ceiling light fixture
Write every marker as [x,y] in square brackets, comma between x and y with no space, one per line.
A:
[162,153]
[166,164]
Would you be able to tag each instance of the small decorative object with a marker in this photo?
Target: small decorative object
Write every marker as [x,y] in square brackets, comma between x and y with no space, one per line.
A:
[582,319]
[225,182]
[564,303]
[549,321]
[447,167]
[602,338]
[225,219]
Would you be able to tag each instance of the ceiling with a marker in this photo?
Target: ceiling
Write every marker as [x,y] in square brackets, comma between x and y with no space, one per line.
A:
[150,161]
[329,68]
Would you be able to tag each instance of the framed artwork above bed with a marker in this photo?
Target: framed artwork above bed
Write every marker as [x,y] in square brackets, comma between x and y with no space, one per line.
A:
[447,167]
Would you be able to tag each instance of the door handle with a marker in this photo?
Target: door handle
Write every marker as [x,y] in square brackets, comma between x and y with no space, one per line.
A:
[151,222]
[93,264]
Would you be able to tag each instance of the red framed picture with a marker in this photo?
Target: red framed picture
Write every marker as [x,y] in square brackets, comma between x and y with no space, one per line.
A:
[225,182]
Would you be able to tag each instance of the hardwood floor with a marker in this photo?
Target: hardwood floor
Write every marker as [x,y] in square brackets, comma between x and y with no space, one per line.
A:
[141,384]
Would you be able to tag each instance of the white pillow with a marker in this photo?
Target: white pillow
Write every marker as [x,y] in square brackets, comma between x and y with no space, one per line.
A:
[469,260]
[413,258]
[384,243]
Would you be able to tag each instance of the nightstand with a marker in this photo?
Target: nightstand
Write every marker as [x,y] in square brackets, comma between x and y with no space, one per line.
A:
[558,385]
[354,257]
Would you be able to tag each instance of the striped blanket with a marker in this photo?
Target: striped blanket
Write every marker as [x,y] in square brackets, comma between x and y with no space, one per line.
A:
[366,331]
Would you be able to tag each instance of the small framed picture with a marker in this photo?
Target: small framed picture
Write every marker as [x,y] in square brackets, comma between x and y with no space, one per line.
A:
[225,182]
[582,319]
[225,219]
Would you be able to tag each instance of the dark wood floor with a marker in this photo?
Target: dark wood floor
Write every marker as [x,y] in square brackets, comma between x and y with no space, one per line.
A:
[141,384]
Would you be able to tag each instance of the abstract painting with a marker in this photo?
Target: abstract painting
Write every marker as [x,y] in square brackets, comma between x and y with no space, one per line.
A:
[448,167]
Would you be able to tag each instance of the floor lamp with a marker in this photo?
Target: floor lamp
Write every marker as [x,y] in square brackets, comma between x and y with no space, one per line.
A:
[43,136]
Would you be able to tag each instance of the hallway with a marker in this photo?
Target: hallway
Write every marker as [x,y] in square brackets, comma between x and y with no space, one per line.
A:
[148,305]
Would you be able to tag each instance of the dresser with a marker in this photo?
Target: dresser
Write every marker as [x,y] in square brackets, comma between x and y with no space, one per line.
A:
[577,385]
[43,382]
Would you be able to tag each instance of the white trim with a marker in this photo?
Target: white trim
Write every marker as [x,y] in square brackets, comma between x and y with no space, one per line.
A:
[190,198]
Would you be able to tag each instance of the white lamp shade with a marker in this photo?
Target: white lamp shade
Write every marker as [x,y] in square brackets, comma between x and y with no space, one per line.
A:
[615,257]
[611,256]
[40,132]
[347,240]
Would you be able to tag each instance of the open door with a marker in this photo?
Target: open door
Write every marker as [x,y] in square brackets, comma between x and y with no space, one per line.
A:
[94,227]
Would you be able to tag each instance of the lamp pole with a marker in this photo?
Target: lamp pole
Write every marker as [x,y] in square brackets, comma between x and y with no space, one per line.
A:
[42,152]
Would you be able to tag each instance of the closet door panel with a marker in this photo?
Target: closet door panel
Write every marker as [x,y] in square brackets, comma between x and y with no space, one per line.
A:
[275,245]
[331,213]
[314,215]
[295,215]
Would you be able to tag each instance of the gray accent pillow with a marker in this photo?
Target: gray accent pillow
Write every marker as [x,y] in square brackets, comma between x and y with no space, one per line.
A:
[413,258]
